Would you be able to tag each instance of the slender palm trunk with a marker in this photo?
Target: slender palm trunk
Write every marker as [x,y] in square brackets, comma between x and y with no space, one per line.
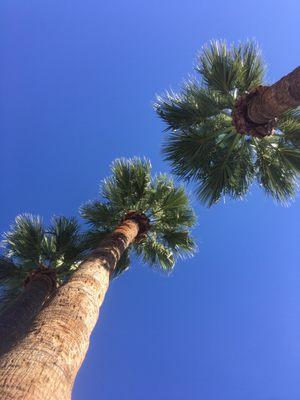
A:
[272,101]
[45,363]
[16,318]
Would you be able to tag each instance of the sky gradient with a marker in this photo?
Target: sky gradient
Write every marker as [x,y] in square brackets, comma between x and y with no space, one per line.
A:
[78,81]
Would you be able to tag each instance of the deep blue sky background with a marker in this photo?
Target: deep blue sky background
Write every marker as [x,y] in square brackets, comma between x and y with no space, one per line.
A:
[78,79]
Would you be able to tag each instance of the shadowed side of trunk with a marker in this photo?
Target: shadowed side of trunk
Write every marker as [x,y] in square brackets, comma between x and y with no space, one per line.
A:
[44,364]
[272,101]
[16,318]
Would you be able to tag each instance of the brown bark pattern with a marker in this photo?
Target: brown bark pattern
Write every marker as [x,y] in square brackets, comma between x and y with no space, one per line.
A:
[276,99]
[43,366]
[16,318]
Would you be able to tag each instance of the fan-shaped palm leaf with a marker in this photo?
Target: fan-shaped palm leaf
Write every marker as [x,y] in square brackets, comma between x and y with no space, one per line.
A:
[28,245]
[131,188]
[203,145]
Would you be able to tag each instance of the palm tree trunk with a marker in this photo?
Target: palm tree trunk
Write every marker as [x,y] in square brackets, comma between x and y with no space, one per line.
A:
[45,363]
[272,101]
[16,318]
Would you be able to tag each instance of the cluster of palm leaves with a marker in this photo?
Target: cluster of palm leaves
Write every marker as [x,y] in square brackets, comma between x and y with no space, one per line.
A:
[131,188]
[30,245]
[202,143]
[61,246]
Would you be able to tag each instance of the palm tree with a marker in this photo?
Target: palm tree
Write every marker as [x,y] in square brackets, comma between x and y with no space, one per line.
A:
[137,214]
[211,139]
[35,261]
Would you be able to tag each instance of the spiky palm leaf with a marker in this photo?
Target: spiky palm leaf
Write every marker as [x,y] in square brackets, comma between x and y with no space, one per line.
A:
[29,245]
[131,188]
[202,144]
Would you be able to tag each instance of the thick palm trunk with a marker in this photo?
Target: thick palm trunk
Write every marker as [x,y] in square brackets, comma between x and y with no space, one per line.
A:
[272,101]
[44,364]
[16,318]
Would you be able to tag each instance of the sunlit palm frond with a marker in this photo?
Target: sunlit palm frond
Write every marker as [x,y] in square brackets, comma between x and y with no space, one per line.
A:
[29,245]
[250,65]
[180,242]
[217,68]
[194,105]
[277,167]
[25,238]
[202,146]
[154,253]
[289,125]
[131,188]
[229,171]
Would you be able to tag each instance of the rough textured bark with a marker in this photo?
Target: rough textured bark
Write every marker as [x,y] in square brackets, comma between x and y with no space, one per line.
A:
[256,113]
[16,318]
[44,364]
[271,101]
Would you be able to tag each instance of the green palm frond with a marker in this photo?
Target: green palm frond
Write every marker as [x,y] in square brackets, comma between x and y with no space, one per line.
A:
[25,238]
[277,167]
[131,188]
[289,125]
[217,67]
[251,66]
[29,245]
[194,105]
[9,271]
[202,144]
[230,171]
[11,280]
[155,253]
[226,69]
[128,184]
[67,240]
[179,242]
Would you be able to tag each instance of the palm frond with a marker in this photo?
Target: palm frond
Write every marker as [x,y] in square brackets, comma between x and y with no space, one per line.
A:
[131,188]
[277,167]
[128,183]
[189,150]
[9,271]
[25,238]
[194,105]
[29,245]
[11,279]
[227,68]
[202,146]
[228,172]
[156,254]
[217,68]
[251,66]
[289,125]
[100,214]
[179,242]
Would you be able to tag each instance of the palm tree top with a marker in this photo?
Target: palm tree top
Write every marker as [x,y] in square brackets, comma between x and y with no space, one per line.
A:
[131,188]
[29,246]
[203,144]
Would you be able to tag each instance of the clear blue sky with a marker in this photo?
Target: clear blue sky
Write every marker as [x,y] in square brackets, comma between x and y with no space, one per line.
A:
[78,79]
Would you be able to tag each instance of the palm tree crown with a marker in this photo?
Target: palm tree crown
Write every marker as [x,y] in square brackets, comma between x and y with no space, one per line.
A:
[202,142]
[131,189]
[29,246]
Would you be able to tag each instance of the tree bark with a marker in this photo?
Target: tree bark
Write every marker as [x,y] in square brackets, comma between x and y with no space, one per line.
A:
[44,364]
[272,101]
[16,318]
